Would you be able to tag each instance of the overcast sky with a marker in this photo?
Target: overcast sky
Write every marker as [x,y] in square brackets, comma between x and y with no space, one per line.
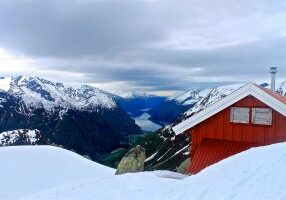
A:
[156,45]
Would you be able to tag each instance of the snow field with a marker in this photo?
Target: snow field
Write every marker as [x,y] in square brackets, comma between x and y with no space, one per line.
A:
[44,172]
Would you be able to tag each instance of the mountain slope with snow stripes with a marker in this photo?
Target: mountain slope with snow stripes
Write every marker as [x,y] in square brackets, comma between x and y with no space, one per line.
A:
[38,92]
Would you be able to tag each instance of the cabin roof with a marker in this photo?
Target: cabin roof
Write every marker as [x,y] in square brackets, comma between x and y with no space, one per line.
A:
[276,95]
[267,96]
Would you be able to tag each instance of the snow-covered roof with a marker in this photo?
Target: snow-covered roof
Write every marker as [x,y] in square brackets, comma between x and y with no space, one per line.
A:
[272,99]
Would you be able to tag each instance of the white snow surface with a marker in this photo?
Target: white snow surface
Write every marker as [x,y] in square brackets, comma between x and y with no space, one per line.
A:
[42,172]
[25,170]
[130,94]
[144,122]
[38,92]
[5,83]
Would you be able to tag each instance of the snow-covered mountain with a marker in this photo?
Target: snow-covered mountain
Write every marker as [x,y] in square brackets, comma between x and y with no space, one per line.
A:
[282,89]
[209,96]
[78,117]
[128,94]
[170,109]
[137,102]
[258,173]
[189,97]
[22,137]
[37,92]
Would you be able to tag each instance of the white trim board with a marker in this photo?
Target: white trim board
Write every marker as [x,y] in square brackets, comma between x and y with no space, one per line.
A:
[239,94]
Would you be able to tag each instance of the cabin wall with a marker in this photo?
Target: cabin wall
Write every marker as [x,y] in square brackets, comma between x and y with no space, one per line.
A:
[220,127]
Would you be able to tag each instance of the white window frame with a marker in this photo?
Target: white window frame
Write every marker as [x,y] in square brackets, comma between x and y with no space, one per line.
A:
[232,120]
[269,120]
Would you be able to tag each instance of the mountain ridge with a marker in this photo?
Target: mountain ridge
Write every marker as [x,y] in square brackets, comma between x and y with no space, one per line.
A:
[82,118]
[52,94]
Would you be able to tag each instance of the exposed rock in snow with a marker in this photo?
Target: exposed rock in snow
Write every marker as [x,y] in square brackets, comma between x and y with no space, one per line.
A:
[132,162]
[184,166]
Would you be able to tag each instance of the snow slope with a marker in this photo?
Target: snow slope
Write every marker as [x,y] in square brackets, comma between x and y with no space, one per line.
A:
[29,169]
[258,173]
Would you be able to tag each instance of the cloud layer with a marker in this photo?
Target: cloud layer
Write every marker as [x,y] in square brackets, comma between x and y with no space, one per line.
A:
[154,45]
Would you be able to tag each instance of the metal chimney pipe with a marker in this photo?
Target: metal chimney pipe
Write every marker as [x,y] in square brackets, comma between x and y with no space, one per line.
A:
[273,71]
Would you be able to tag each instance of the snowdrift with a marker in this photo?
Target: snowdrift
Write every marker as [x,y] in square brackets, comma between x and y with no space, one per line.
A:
[29,169]
[53,173]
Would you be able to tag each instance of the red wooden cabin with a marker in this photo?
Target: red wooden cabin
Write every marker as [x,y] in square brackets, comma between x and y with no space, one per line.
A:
[249,117]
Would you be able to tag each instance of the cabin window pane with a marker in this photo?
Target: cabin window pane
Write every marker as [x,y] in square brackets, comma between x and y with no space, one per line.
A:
[262,116]
[239,115]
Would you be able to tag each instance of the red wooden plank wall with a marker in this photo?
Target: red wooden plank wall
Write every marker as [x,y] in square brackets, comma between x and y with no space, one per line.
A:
[212,151]
[220,127]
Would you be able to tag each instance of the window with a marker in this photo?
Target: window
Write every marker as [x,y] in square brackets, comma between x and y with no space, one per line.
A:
[239,115]
[262,116]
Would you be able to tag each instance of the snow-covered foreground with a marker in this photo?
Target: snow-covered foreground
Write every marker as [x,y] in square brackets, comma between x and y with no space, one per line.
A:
[25,170]
[53,173]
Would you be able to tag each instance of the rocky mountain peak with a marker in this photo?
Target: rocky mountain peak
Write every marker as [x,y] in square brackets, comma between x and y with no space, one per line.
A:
[38,92]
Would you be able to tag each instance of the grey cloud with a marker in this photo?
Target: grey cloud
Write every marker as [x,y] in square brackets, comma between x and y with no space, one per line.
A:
[152,44]
[61,28]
